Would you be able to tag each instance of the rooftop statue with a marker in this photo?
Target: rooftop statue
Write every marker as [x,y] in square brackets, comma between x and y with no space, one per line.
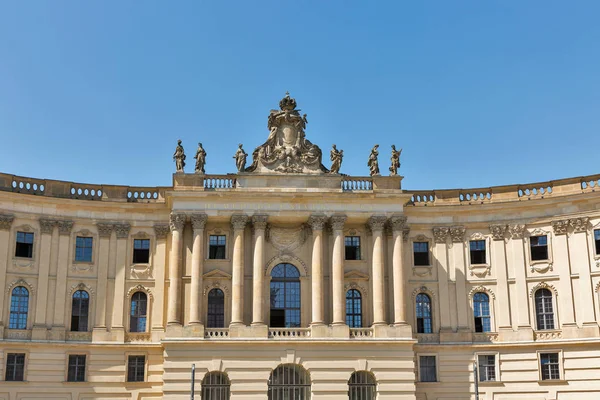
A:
[395,161]
[240,158]
[336,160]
[200,159]
[373,162]
[179,157]
[287,150]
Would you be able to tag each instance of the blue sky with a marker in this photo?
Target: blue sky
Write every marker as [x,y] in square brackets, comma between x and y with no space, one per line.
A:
[477,93]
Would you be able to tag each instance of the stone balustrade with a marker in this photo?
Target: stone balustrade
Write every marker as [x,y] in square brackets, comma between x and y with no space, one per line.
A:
[216,333]
[289,333]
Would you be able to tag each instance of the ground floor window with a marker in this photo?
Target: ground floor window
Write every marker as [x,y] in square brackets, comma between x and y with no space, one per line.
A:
[215,386]
[361,386]
[289,382]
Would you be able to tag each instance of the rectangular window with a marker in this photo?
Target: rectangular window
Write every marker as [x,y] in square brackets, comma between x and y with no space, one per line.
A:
[477,251]
[427,370]
[76,371]
[549,365]
[24,247]
[487,368]
[597,241]
[135,368]
[421,253]
[216,247]
[15,367]
[141,251]
[352,245]
[83,249]
[539,247]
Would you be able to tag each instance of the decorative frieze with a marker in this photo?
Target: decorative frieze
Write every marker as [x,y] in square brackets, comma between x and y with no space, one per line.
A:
[498,231]
[376,223]
[161,231]
[6,221]
[317,222]
[440,234]
[47,225]
[337,222]
[176,221]
[198,221]
[260,221]
[122,230]
[398,222]
[104,229]
[65,227]
[457,233]
[239,221]
[515,231]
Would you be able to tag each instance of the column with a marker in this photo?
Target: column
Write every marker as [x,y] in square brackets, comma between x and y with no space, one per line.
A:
[457,234]
[579,255]
[377,223]
[565,285]
[258,283]
[161,231]
[122,233]
[398,224]
[46,230]
[64,230]
[104,233]
[238,223]
[499,262]
[440,255]
[515,248]
[198,223]
[176,223]
[337,266]
[5,224]
[317,222]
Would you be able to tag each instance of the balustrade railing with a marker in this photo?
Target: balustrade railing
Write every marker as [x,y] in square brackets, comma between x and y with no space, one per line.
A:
[361,333]
[350,184]
[289,333]
[219,182]
[216,333]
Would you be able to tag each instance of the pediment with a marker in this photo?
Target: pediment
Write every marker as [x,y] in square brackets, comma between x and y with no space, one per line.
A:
[356,275]
[216,274]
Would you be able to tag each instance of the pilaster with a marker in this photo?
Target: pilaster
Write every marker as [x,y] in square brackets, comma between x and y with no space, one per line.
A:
[118,322]
[459,259]
[498,251]
[516,249]
[238,222]
[58,327]
[161,232]
[5,225]
[440,256]
[40,330]
[99,332]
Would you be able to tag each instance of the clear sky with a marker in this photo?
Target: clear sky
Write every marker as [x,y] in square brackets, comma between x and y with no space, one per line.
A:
[477,93]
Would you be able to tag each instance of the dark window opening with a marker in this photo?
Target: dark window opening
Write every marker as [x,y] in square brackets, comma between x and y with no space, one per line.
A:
[539,248]
[19,305]
[353,309]
[352,246]
[487,368]
[216,309]
[80,311]
[477,248]
[15,367]
[544,309]
[481,311]
[83,249]
[76,372]
[285,296]
[427,370]
[24,247]
[216,247]
[550,366]
[215,386]
[135,368]
[423,307]
[141,251]
[139,311]
[421,253]
[362,386]
[597,241]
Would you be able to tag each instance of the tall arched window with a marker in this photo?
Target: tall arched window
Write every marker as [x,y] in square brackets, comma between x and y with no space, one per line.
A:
[481,311]
[423,311]
[215,386]
[361,386]
[19,304]
[285,296]
[289,382]
[353,309]
[216,309]
[544,310]
[79,311]
[139,310]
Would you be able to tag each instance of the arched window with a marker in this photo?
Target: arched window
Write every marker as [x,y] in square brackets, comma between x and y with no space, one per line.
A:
[544,310]
[361,386]
[139,311]
[353,309]
[289,382]
[423,313]
[285,296]
[79,311]
[19,304]
[481,311]
[216,309]
[215,386]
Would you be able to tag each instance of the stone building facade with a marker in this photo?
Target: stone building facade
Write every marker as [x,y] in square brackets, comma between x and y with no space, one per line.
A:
[285,281]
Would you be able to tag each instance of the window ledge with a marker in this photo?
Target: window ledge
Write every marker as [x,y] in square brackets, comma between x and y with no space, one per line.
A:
[491,383]
[217,259]
[544,261]
[553,382]
[83,262]
[436,383]
[143,384]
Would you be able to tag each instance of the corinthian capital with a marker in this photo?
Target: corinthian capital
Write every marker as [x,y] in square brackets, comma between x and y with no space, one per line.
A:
[440,234]
[317,222]
[560,227]
[398,223]
[457,233]
[198,221]
[376,222]
[104,229]
[176,221]
[337,222]
[579,224]
[122,230]
[6,221]
[516,231]
[239,221]
[260,221]
[498,231]
[47,225]
[64,227]
[161,231]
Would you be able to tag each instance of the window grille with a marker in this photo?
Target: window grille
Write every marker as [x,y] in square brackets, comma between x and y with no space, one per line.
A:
[15,367]
[427,369]
[76,372]
[136,368]
[481,311]
[362,386]
[544,309]
[80,311]
[423,308]
[19,305]
[289,382]
[138,314]
[215,386]
[550,366]
[216,309]
[353,309]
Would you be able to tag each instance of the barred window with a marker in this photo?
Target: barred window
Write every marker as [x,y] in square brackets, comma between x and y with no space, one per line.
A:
[423,311]
[481,311]
[83,249]
[361,386]
[285,296]
[141,251]
[215,386]
[544,310]
[550,366]
[138,314]
[24,246]
[216,247]
[79,311]
[136,368]
[352,246]
[421,253]
[353,309]
[487,367]
[15,367]
[427,369]
[216,309]
[76,372]
[539,247]
[289,382]
[477,251]
[19,305]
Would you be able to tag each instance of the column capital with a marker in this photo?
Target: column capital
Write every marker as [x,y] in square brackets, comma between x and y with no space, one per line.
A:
[47,225]
[122,230]
[337,222]
[260,221]
[198,221]
[65,227]
[239,221]
[398,223]
[516,231]
[317,222]
[104,229]
[6,221]
[161,230]
[498,231]
[579,224]
[176,221]
[405,233]
[440,234]
[376,223]
[457,233]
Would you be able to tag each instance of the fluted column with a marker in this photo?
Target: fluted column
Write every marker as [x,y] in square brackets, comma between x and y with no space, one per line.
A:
[237,277]
[376,223]
[258,283]
[198,223]
[161,232]
[176,223]
[339,301]
[398,223]
[317,222]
